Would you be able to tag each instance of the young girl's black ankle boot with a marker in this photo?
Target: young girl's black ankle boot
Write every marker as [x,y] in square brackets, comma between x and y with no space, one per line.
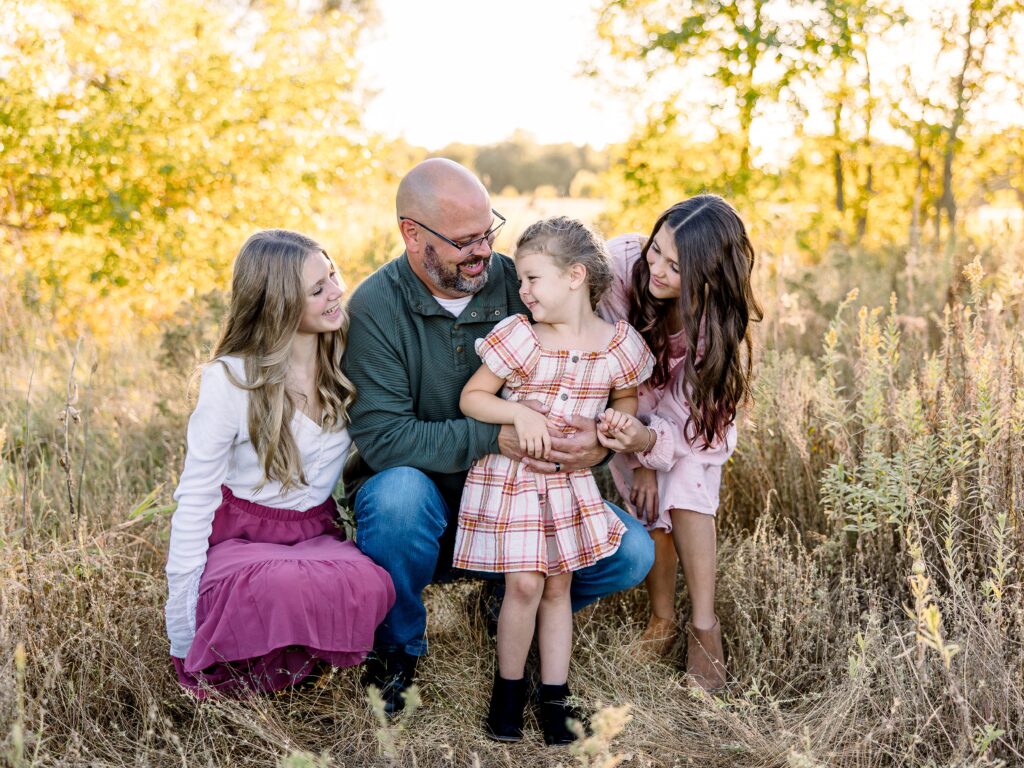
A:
[555,711]
[505,714]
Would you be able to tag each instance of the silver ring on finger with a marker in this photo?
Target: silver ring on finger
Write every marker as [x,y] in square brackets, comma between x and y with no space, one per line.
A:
[558,466]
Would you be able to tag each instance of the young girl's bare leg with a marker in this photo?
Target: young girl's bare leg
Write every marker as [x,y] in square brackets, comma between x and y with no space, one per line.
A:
[661,581]
[517,621]
[694,535]
[554,630]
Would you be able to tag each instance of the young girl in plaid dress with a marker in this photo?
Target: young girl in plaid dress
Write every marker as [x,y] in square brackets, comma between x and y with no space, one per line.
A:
[535,527]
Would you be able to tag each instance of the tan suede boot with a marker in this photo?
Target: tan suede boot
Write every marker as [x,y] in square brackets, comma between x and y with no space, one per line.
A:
[657,640]
[705,658]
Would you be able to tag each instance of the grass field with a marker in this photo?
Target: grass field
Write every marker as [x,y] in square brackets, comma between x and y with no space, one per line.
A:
[870,569]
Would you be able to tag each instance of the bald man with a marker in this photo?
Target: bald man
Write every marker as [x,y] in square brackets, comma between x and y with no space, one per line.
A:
[411,349]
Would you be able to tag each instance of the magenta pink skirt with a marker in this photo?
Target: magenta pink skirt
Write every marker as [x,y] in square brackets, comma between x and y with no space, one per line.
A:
[281,592]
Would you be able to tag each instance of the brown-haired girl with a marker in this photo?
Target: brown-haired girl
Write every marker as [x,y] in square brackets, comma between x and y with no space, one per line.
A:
[686,289]
[261,586]
[534,527]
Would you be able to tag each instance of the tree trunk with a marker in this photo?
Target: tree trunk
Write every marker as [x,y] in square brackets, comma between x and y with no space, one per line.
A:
[837,155]
[749,100]
[915,206]
[948,200]
[837,169]
[869,190]
[869,181]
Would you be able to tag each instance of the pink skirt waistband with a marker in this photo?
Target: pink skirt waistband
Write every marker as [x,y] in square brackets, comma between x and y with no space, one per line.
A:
[326,507]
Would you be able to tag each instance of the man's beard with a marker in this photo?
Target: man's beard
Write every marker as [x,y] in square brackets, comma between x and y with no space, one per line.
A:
[447,276]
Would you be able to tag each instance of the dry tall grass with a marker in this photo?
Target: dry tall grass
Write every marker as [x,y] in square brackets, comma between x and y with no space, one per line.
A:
[870,575]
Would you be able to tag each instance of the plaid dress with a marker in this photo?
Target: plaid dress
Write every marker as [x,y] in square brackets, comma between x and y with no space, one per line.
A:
[515,519]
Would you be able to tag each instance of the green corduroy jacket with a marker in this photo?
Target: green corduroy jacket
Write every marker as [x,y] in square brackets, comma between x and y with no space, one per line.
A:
[409,359]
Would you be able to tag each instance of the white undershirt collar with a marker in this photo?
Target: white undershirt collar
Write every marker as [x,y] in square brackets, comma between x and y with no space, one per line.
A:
[455,306]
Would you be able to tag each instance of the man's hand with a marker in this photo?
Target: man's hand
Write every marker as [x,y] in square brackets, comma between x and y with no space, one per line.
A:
[578,451]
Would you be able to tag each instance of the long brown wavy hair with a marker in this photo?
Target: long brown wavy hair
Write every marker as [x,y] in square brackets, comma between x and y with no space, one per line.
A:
[716,306]
[267,302]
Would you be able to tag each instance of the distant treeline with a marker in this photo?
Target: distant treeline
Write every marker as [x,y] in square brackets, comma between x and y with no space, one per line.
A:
[519,165]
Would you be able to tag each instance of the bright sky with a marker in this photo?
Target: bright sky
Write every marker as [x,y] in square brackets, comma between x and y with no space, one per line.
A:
[473,71]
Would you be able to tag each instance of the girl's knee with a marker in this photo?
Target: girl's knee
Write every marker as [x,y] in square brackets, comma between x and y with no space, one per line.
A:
[556,588]
[524,587]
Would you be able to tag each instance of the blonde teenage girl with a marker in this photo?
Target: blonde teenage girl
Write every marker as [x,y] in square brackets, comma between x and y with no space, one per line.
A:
[262,586]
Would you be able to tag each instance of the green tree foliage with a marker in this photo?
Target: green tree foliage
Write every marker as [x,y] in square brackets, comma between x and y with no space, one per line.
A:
[837,66]
[996,174]
[660,165]
[894,158]
[968,36]
[974,59]
[140,144]
[745,48]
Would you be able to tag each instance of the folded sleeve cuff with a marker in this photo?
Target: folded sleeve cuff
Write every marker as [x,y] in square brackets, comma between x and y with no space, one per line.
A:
[660,457]
[483,439]
[180,614]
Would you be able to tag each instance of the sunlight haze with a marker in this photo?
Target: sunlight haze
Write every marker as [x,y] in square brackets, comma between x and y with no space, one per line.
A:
[457,71]
[473,72]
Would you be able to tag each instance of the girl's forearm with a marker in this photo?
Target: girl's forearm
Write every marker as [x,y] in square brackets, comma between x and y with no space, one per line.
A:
[491,409]
[625,400]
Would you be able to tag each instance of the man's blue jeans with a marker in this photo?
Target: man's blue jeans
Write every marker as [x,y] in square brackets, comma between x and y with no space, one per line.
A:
[400,517]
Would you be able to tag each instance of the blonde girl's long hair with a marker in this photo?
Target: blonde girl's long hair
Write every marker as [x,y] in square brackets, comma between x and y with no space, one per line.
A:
[569,241]
[267,303]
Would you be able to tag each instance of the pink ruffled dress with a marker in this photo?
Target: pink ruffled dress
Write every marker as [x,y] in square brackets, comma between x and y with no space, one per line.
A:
[688,478]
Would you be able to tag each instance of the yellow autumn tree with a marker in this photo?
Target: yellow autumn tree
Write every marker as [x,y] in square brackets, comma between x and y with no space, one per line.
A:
[140,143]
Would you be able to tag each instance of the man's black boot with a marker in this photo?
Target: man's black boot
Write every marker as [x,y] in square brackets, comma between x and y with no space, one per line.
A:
[392,671]
[488,605]
[555,712]
[505,714]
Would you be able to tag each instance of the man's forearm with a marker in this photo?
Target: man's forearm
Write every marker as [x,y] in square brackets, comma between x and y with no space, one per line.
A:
[435,446]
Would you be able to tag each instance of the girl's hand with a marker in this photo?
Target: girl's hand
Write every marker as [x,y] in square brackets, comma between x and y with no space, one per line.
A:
[532,428]
[644,494]
[611,421]
[508,439]
[569,453]
[631,434]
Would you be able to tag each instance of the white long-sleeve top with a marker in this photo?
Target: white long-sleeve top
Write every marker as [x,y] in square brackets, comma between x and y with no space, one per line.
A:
[219,453]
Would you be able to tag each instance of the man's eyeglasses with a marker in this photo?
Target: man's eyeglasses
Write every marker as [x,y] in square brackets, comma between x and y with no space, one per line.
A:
[468,246]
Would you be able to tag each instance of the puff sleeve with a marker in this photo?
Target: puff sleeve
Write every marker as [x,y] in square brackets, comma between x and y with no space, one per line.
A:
[510,350]
[631,361]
